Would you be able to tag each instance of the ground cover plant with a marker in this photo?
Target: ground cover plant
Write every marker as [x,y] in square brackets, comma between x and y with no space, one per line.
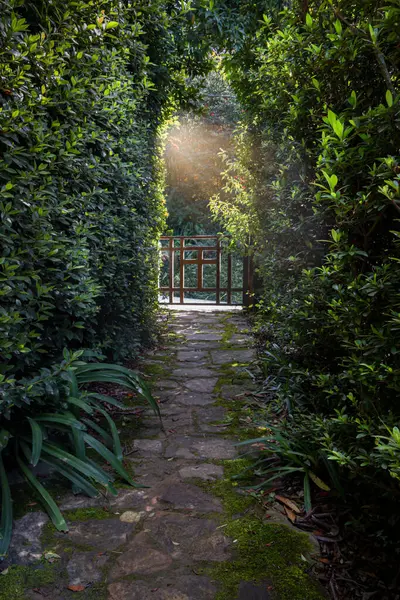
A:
[54,419]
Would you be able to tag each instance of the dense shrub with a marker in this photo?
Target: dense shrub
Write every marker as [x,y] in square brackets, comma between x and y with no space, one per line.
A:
[320,83]
[84,89]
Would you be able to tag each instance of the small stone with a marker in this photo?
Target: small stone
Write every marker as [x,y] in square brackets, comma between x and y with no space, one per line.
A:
[206,472]
[201,385]
[131,516]
[85,568]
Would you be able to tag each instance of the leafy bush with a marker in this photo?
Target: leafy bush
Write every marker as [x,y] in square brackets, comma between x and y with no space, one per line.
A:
[84,90]
[320,84]
[33,411]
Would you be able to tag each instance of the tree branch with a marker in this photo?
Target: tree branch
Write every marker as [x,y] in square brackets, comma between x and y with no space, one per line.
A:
[378,54]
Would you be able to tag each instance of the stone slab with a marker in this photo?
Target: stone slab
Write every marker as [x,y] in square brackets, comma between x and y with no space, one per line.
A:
[187,538]
[201,385]
[241,340]
[180,447]
[25,547]
[183,496]
[153,470]
[101,534]
[165,384]
[193,372]
[144,447]
[200,447]
[204,337]
[221,357]
[232,391]
[191,355]
[210,419]
[85,568]
[141,557]
[190,398]
[215,448]
[189,587]
[128,498]
[205,471]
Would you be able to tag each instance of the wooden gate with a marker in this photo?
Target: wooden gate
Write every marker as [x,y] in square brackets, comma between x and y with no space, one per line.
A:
[231,281]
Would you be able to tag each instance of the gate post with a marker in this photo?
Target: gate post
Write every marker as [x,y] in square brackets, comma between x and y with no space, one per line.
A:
[247,279]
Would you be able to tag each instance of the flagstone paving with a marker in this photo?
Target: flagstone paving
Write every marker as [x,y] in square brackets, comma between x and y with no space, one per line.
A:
[157,542]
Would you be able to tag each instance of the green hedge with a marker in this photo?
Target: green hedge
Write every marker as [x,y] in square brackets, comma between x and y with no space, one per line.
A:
[320,83]
[84,89]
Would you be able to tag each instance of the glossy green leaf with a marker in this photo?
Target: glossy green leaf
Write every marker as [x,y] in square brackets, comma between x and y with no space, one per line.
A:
[48,502]
[37,441]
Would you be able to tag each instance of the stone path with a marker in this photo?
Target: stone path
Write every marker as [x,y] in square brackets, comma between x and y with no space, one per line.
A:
[158,542]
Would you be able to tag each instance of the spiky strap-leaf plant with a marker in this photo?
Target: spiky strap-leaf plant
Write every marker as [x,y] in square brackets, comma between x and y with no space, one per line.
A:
[59,436]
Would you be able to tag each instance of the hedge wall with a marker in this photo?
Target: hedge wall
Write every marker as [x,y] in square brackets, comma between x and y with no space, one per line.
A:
[319,157]
[84,89]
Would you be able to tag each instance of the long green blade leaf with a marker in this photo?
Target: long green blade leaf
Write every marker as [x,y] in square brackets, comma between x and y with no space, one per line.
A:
[62,419]
[81,404]
[51,507]
[108,456]
[106,437]
[115,435]
[73,476]
[37,441]
[79,444]
[86,468]
[107,399]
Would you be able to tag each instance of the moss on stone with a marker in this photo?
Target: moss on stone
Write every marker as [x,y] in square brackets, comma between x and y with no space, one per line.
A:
[266,552]
[227,488]
[153,369]
[18,579]
[87,514]
[230,329]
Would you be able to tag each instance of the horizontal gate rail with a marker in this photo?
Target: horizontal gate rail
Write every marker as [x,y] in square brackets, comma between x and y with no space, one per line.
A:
[175,248]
